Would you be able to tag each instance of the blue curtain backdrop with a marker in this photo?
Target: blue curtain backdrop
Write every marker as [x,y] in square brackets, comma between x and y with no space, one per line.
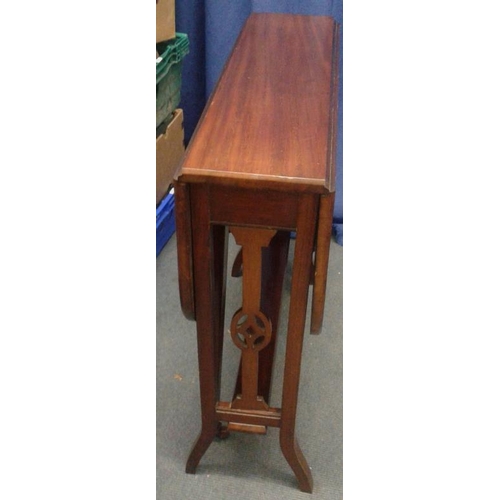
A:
[212,27]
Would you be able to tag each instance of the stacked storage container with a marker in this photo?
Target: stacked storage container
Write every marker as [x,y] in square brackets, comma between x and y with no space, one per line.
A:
[171,48]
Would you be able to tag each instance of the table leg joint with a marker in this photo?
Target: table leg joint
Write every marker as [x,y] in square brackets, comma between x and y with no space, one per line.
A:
[268,418]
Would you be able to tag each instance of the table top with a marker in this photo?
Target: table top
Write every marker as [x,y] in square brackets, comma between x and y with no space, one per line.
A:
[271,120]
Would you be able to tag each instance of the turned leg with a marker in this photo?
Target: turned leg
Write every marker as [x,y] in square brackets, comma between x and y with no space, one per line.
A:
[209,259]
[296,323]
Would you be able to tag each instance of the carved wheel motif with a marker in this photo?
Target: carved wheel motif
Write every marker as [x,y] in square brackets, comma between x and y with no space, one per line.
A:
[250,330]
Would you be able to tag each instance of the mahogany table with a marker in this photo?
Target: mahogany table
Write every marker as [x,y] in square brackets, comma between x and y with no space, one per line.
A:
[260,165]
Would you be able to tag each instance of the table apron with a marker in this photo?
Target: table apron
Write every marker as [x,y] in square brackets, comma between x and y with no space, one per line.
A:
[255,208]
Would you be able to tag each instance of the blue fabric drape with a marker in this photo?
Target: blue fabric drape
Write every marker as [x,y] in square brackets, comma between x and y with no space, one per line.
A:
[212,27]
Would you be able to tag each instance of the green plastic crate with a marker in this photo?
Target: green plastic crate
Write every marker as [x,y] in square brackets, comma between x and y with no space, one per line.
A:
[168,76]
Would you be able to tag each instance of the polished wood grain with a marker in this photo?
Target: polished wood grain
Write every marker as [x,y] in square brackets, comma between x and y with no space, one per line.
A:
[296,322]
[251,329]
[261,162]
[274,262]
[323,240]
[209,253]
[253,207]
[184,249]
[268,120]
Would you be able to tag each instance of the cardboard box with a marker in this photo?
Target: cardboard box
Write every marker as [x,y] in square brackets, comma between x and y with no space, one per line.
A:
[165,20]
[169,153]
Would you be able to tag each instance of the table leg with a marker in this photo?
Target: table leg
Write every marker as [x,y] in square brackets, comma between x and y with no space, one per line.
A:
[210,254]
[298,304]
[321,262]
[273,271]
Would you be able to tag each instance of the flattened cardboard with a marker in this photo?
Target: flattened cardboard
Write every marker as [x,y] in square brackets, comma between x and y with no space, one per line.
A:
[169,153]
[165,20]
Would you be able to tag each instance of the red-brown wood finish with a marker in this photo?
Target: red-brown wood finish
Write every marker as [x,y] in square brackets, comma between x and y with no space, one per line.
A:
[208,255]
[321,261]
[298,303]
[274,261]
[268,120]
[185,247]
[261,163]
[251,329]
